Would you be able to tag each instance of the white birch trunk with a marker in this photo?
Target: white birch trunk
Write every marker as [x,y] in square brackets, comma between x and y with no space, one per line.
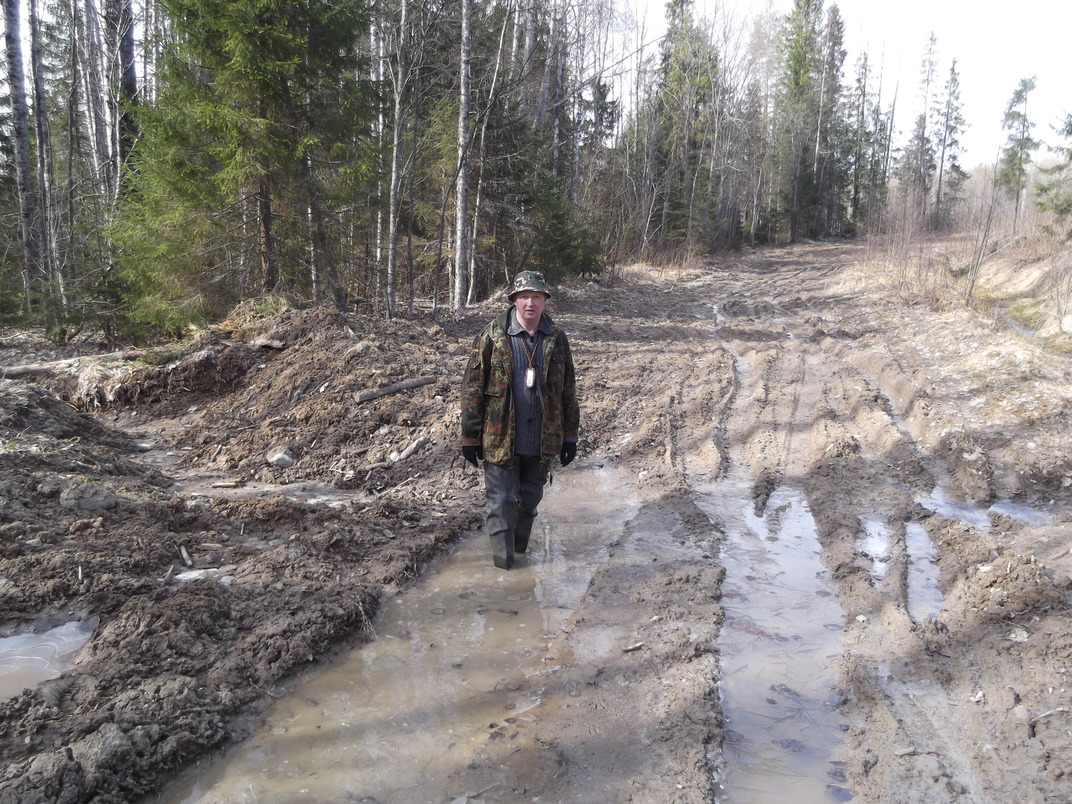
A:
[482,160]
[461,228]
[45,220]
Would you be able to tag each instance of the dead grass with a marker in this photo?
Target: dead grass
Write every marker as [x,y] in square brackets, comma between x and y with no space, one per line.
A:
[1026,281]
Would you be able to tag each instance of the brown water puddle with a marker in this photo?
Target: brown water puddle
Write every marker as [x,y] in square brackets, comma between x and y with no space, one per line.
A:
[28,659]
[468,645]
[779,643]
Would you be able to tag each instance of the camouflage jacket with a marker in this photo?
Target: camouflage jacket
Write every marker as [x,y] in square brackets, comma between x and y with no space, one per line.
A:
[487,404]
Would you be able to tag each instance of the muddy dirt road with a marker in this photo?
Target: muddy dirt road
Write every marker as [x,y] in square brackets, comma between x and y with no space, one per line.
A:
[238,514]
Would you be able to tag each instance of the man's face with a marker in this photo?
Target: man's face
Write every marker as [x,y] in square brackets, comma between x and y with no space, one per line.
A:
[529,305]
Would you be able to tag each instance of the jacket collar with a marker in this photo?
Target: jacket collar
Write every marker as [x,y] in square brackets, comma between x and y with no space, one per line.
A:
[514,326]
[509,324]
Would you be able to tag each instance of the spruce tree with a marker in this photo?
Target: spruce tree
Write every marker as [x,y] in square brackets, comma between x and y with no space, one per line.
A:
[949,126]
[256,96]
[917,166]
[1020,145]
[1054,191]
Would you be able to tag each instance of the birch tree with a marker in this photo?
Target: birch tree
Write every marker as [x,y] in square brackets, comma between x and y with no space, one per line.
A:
[45,223]
[461,204]
[399,87]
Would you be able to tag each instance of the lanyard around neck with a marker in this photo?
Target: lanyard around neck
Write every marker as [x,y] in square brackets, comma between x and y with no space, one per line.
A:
[535,347]
[530,372]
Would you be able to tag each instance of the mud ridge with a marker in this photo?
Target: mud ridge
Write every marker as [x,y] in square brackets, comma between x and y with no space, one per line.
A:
[236,510]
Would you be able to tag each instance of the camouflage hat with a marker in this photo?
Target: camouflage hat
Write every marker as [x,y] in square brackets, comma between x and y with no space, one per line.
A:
[529,280]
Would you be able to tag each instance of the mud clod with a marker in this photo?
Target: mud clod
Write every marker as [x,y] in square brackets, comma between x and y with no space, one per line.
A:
[303,466]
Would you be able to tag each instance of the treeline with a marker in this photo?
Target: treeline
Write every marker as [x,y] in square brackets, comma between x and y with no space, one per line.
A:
[164,161]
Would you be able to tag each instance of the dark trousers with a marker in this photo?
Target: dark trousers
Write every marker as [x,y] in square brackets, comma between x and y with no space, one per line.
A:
[513,491]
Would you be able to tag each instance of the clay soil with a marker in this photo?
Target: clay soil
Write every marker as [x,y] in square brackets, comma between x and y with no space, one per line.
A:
[261,455]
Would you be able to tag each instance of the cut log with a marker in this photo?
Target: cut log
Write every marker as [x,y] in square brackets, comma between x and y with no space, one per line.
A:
[394,388]
[269,342]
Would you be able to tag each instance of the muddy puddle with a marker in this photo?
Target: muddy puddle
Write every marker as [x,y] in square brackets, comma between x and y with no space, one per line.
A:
[954,506]
[780,640]
[28,659]
[924,597]
[912,547]
[466,646]
[779,643]
[470,645]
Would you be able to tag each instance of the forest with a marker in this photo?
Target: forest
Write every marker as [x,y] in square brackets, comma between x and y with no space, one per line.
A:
[165,160]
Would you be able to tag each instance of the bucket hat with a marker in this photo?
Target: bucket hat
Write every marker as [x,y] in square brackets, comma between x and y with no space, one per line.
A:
[529,280]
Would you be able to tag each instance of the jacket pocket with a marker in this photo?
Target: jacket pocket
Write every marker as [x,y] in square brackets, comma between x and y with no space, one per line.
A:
[498,380]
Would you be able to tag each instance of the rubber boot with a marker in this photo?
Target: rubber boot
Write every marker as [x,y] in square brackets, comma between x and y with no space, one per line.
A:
[502,549]
[523,531]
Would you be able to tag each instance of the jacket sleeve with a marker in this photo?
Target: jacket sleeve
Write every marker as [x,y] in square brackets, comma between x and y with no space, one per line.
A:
[571,412]
[473,383]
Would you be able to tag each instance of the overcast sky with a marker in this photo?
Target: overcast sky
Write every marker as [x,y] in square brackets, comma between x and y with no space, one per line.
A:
[995,45]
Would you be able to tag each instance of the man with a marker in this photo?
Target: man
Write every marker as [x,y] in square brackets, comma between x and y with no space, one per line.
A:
[519,412]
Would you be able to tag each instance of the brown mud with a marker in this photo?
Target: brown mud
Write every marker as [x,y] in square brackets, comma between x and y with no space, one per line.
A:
[308,462]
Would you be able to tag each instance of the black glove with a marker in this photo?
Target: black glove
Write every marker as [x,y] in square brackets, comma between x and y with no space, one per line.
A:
[473,454]
[569,452]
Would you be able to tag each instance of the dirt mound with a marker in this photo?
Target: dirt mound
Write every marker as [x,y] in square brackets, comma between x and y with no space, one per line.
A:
[29,413]
[305,386]
[237,508]
[207,600]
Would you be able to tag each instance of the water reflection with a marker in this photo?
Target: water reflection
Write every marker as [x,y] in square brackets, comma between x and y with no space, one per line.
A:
[924,598]
[779,642]
[28,659]
[875,544]
[459,659]
[944,502]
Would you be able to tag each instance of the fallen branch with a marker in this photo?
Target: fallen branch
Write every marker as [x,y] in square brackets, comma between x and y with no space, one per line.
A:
[51,366]
[394,388]
[1058,711]
[416,445]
